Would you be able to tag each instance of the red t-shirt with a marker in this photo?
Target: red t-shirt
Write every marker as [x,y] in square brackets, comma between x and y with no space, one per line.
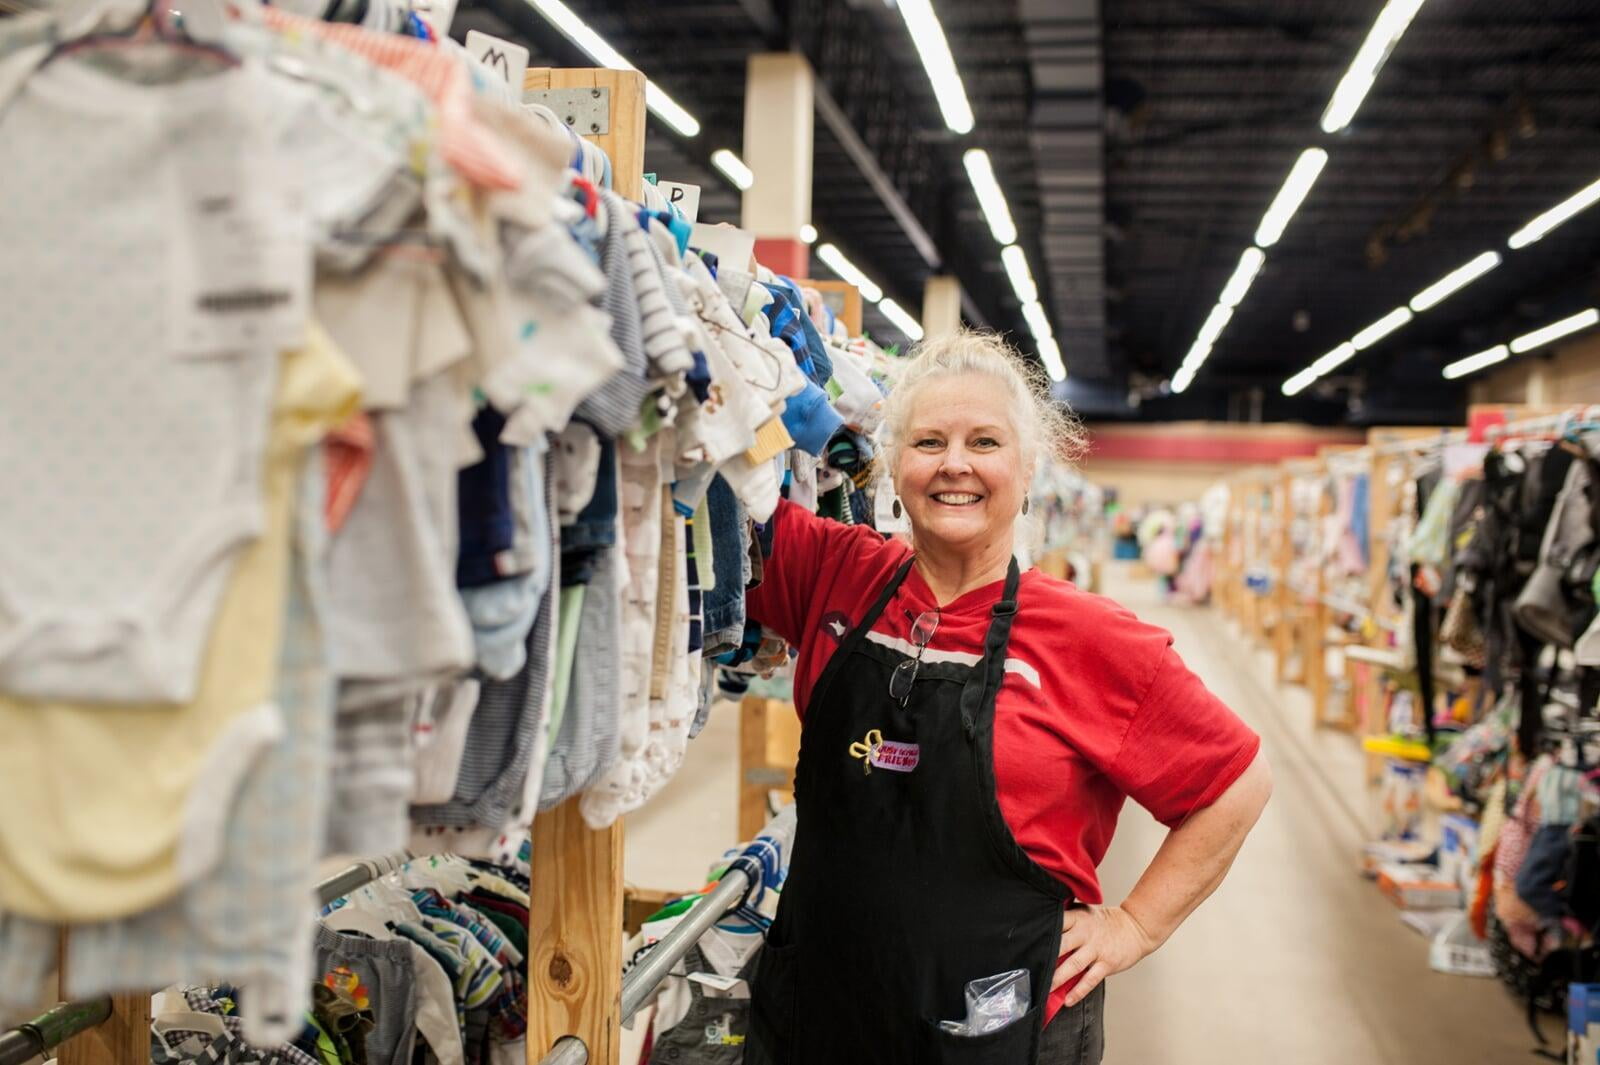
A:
[1095,707]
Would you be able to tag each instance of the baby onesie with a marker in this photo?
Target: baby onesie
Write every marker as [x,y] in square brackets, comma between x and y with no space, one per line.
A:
[152,784]
[143,223]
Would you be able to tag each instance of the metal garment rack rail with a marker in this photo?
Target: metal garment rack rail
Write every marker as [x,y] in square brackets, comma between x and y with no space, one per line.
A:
[36,1038]
[732,889]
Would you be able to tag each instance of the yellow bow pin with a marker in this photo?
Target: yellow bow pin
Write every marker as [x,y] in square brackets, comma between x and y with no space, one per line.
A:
[866,751]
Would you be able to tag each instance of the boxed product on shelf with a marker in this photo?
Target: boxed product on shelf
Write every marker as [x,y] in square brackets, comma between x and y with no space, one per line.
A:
[1380,852]
[1583,1023]
[1458,850]
[1414,886]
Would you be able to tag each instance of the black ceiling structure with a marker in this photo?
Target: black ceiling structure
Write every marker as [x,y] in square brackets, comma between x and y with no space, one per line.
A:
[1486,114]
[1138,143]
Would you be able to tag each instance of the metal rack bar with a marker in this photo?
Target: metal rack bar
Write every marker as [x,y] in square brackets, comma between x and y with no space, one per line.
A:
[39,1036]
[643,979]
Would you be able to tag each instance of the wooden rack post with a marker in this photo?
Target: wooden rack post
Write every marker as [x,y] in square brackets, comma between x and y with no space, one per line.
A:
[575,921]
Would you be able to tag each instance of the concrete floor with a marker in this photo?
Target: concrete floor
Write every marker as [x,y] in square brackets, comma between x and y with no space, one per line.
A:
[1295,961]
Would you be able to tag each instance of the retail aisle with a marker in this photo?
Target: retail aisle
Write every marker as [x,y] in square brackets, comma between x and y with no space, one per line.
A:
[1296,961]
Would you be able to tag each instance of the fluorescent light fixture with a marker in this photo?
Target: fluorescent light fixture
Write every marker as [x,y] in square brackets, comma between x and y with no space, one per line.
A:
[1299,382]
[1182,379]
[980,172]
[1016,264]
[1038,321]
[733,168]
[1474,363]
[1332,360]
[1199,351]
[1456,279]
[808,233]
[579,33]
[1295,188]
[1358,80]
[928,36]
[835,260]
[1381,328]
[1050,352]
[1243,274]
[903,321]
[1554,331]
[1214,324]
[1555,216]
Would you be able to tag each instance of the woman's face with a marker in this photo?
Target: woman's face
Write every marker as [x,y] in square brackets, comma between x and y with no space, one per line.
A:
[960,471]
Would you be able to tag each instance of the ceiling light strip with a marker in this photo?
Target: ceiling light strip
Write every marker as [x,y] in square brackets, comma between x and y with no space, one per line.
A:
[597,48]
[901,319]
[1381,328]
[1358,80]
[1474,363]
[1556,215]
[733,168]
[849,271]
[1554,331]
[1454,281]
[1016,263]
[1050,354]
[980,173]
[1038,321]
[1243,275]
[922,23]
[1295,188]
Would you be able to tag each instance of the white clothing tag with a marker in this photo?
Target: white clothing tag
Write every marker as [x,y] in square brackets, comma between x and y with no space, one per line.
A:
[888,513]
[684,196]
[732,246]
[731,986]
[439,13]
[508,60]
[241,257]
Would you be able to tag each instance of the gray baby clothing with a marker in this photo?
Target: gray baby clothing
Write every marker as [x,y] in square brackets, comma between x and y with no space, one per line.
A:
[588,741]
[377,975]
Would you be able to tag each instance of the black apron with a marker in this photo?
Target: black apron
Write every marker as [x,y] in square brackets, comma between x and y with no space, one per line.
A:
[905,882]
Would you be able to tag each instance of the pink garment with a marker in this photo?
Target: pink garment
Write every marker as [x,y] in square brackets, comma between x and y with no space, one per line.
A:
[1161,554]
[464,142]
[1194,580]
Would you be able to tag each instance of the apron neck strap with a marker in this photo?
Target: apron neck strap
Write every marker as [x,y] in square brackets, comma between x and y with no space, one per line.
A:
[987,676]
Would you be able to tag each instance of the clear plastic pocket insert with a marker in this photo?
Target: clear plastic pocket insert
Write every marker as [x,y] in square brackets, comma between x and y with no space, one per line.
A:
[993,1003]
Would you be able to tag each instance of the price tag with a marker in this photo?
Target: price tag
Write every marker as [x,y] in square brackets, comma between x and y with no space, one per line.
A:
[438,13]
[508,60]
[241,256]
[683,196]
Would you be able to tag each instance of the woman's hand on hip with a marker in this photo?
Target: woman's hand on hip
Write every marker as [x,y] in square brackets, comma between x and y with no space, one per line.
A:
[1098,941]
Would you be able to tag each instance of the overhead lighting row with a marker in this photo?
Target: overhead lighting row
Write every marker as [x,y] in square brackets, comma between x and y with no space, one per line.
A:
[992,200]
[870,290]
[1523,344]
[1447,286]
[1352,89]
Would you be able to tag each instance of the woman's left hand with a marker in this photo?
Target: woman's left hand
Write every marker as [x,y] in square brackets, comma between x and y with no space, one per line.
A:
[1098,941]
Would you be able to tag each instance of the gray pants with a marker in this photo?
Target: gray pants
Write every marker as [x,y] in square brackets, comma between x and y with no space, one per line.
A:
[1076,1036]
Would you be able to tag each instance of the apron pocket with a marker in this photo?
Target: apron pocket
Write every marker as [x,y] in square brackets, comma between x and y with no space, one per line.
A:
[773,993]
[1015,1044]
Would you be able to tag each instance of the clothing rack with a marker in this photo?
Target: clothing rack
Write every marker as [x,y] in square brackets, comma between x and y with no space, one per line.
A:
[36,1038]
[731,892]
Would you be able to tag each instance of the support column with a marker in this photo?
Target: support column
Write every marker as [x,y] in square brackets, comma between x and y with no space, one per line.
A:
[779,104]
[1541,384]
[941,306]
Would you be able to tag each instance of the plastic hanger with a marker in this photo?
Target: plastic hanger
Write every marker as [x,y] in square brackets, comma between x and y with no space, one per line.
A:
[155,24]
[350,919]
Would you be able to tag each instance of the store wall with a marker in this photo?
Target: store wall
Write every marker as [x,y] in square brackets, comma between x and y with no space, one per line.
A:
[1173,462]
[1570,374]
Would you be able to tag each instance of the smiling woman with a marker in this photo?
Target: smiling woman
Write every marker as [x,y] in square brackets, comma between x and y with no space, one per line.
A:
[970,734]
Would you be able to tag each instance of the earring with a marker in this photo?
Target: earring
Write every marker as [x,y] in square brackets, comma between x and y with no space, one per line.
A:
[895,508]
[1024,504]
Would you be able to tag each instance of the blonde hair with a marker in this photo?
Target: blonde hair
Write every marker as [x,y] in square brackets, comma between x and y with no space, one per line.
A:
[1043,426]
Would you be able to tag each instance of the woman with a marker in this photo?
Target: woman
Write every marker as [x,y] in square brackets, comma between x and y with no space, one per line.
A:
[970,734]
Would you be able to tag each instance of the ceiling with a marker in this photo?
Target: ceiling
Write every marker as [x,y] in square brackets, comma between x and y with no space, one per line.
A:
[1138,147]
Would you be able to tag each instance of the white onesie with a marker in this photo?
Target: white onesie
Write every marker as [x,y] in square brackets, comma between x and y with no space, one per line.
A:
[153,266]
